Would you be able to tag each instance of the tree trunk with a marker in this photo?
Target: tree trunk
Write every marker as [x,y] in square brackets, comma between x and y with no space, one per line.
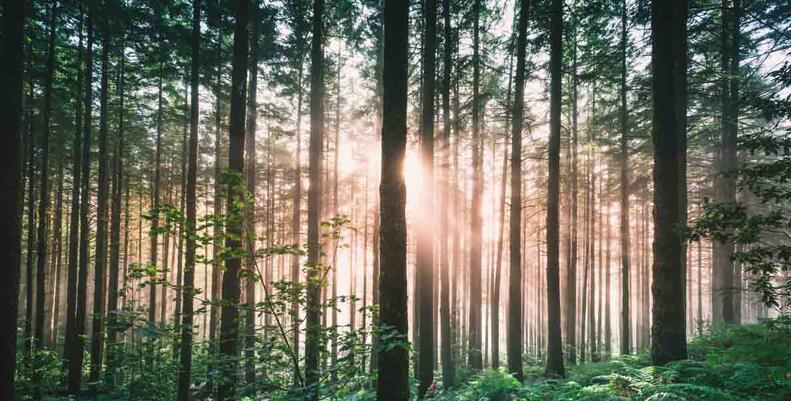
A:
[153,259]
[315,271]
[668,67]
[393,358]
[425,231]
[571,277]
[188,289]
[100,261]
[72,329]
[229,313]
[75,359]
[626,346]
[297,220]
[249,210]
[43,205]
[12,25]
[474,354]
[514,324]
[723,293]
[554,366]
[446,356]
[115,228]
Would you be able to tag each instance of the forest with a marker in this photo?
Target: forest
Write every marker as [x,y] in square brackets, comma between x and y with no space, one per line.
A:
[393,200]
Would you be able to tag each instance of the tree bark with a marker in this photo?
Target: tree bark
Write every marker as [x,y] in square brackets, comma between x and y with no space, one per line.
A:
[425,230]
[229,313]
[100,261]
[668,68]
[514,324]
[188,289]
[723,293]
[314,270]
[12,25]
[72,329]
[475,357]
[625,344]
[554,366]
[393,357]
[249,211]
[446,356]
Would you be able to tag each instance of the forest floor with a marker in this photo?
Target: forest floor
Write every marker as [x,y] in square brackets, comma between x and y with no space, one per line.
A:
[750,362]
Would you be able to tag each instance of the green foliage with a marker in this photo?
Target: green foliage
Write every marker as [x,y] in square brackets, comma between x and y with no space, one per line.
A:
[729,363]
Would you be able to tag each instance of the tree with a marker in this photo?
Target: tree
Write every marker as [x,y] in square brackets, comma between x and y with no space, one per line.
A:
[314,277]
[392,352]
[514,333]
[72,328]
[229,314]
[668,70]
[554,367]
[249,210]
[185,351]
[624,214]
[425,242]
[100,261]
[43,205]
[474,353]
[446,353]
[724,306]
[12,24]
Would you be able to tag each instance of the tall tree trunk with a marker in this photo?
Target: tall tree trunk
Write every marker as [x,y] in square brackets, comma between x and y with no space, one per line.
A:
[153,259]
[315,271]
[188,289]
[229,314]
[723,291]
[393,383]
[446,352]
[474,355]
[571,277]
[514,324]
[425,230]
[249,211]
[100,261]
[43,205]
[554,366]
[115,228]
[668,68]
[72,329]
[12,25]
[626,346]
[297,219]
[75,359]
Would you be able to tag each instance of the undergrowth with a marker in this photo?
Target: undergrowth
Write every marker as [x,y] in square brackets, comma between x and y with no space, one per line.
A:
[750,362]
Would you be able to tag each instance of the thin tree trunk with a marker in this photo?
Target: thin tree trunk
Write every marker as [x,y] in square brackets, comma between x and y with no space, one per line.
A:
[72,329]
[514,323]
[115,229]
[724,305]
[446,352]
[554,366]
[185,352]
[626,346]
[425,229]
[100,261]
[249,210]
[474,354]
[315,271]
[75,358]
